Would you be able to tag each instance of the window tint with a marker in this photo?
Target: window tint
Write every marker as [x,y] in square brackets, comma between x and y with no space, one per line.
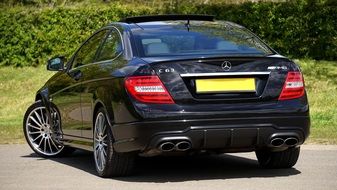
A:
[111,47]
[87,52]
[200,38]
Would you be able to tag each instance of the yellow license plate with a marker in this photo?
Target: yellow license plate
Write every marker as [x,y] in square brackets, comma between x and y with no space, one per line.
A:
[225,85]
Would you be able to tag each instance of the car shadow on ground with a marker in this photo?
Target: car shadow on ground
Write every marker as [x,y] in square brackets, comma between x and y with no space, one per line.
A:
[178,169]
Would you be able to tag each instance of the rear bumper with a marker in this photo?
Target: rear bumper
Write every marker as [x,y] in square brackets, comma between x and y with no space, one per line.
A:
[226,134]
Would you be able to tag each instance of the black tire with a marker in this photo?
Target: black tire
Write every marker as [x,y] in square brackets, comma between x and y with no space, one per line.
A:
[62,151]
[117,164]
[282,159]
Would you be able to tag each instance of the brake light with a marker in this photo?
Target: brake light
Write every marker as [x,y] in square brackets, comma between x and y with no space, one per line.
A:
[293,86]
[148,89]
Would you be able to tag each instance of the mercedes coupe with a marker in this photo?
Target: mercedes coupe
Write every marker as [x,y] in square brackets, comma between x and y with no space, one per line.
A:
[170,85]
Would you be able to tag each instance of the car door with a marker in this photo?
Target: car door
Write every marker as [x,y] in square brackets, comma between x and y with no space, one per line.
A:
[68,100]
[96,77]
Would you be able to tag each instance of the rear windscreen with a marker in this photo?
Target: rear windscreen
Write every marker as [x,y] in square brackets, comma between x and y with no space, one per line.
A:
[200,38]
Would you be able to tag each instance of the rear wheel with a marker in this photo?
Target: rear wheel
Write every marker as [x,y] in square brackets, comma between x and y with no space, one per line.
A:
[44,138]
[282,159]
[108,162]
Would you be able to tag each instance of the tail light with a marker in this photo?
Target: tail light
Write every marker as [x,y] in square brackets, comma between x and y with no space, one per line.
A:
[148,89]
[293,86]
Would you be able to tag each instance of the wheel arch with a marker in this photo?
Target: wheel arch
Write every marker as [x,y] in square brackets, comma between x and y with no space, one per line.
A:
[38,97]
[100,104]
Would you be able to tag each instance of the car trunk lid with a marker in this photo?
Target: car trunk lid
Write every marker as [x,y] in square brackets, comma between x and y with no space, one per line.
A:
[214,80]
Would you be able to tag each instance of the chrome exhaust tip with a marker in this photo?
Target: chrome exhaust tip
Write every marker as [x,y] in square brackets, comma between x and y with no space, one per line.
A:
[183,146]
[277,142]
[291,141]
[166,146]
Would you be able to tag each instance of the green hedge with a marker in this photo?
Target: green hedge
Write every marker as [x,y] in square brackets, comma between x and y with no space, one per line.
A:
[29,36]
[306,28]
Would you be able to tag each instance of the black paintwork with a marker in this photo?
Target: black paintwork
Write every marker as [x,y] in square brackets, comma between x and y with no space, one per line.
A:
[150,18]
[226,122]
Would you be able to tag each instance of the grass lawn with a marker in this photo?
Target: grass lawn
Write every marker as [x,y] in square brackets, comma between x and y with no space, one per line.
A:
[17,92]
[18,87]
[321,84]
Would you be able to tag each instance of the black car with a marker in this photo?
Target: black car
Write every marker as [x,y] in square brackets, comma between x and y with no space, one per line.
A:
[167,85]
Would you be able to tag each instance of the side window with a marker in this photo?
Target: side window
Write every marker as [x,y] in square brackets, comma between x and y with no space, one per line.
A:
[111,47]
[88,51]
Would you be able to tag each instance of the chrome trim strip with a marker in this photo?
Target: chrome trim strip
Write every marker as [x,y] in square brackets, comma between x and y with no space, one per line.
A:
[223,74]
[95,63]
[105,28]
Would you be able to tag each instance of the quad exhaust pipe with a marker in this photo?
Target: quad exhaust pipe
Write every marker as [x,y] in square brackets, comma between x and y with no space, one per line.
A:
[291,141]
[183,146]
[277,142]
[179,146]
[167,146]
[285,141]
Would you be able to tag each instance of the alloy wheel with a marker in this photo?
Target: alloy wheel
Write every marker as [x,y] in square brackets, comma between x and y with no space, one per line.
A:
[100,141]
[43,137]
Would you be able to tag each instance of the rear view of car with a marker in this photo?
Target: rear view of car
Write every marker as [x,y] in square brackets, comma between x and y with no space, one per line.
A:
[214,86]
[176,84]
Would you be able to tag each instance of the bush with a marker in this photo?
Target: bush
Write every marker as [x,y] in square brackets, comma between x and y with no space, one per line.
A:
[302,28]
[29,36]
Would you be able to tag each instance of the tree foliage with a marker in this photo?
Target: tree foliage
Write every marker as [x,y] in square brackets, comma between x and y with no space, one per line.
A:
[301,28]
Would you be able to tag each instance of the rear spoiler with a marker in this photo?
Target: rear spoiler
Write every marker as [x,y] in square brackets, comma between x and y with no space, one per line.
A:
[150,18]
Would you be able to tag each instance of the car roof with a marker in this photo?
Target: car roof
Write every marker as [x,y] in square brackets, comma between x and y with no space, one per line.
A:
[151,18]
[155,21]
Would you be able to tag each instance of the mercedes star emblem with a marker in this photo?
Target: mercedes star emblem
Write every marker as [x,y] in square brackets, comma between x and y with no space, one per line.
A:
[226,65]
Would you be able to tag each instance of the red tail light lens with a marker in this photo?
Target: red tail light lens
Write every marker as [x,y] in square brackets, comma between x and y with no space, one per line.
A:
[293,86]
[148,89]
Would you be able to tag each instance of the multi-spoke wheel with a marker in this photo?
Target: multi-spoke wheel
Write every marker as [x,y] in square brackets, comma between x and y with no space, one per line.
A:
[107,161]
[44,138]
[100,142]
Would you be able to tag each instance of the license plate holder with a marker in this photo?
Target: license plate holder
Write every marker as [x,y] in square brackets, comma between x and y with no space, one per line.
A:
[225,85]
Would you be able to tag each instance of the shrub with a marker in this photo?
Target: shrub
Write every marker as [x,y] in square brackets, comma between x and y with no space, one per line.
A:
[30,36]
[302,28]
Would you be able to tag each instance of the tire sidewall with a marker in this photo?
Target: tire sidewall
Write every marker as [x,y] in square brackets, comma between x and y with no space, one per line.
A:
[106,172]
[29,110]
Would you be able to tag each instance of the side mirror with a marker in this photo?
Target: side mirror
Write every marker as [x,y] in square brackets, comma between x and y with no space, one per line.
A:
[56,63]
